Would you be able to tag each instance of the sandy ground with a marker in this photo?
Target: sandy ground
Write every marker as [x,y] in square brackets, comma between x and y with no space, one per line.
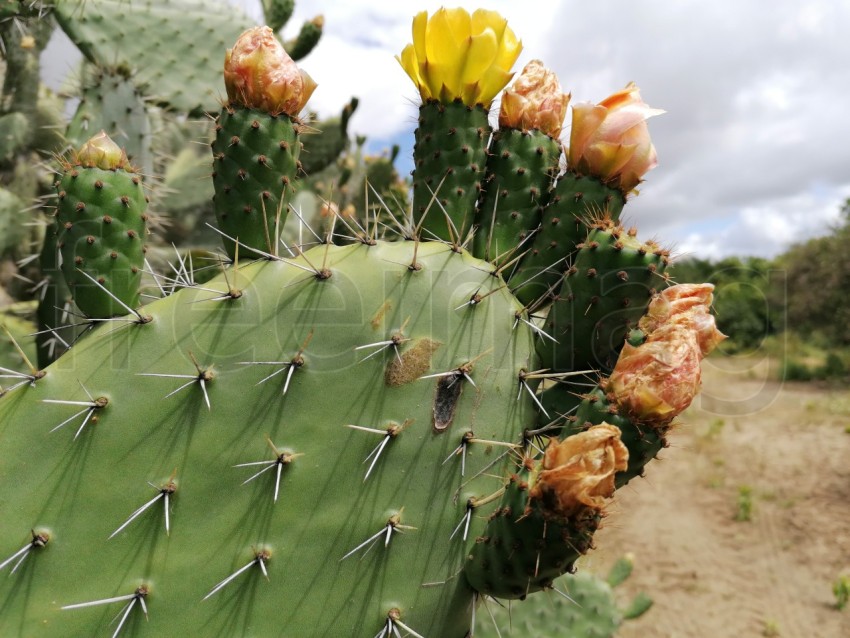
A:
[710,575]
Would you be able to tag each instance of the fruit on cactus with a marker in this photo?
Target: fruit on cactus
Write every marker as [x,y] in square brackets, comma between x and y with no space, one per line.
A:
[610,140]
[257,145]
[455,55]
[101,226]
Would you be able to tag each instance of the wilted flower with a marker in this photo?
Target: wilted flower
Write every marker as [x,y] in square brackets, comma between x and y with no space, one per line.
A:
[686,304]
[259,74]
[657,380]
[579,471]
[458,55]
[101,152]
[610,140]
[534,101]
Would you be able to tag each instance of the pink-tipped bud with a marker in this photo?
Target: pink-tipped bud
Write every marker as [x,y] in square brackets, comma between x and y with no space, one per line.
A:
[579,472]
[101,152]
[534,102]
[259,74]
[610,140]
[656,381]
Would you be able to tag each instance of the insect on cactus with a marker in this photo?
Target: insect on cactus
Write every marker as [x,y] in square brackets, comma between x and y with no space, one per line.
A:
[370,439]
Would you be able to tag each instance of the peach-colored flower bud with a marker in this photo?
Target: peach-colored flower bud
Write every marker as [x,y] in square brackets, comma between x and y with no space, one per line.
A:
[610,140]
[657,380]
[685,304]
[101,152]
[579,471]
[258,73]
[534,101]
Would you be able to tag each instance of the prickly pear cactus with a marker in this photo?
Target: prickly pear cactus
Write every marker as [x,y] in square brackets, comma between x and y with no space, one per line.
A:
[368,439]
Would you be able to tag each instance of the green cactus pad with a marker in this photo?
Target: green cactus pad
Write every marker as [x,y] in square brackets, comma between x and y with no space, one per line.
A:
[450,157]
[78,486]
[53,305]
[278,12]
[604,294]
[111,102]
[12,220]
[255,168]
[176,47]
[101,224]
[521,169]
[589,612]
[306,40]
[576,202]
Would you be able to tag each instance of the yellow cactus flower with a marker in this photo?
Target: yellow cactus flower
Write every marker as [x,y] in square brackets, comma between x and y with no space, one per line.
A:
[610,140]
[258,73]
[455,55]
[579,472]
[534,101]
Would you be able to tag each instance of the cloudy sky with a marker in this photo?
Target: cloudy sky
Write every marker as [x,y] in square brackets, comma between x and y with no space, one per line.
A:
[754,148]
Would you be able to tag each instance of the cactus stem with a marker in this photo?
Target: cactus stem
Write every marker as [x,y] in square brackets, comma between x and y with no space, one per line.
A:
[260,559]
[137,596]
[39,539]
[163,493]
[393,524]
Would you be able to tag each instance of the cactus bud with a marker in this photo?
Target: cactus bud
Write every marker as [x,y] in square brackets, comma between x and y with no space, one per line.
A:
[258,73]
[101,152]
[610,140]
[579,471]
[534,101]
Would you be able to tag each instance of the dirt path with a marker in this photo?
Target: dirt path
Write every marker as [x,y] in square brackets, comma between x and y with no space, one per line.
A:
[710,575]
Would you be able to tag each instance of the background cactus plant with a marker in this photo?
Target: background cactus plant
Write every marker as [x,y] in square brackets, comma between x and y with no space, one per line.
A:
[189,468]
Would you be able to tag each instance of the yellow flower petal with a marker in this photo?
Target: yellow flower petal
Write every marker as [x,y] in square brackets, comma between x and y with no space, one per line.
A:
[420,30]
[483,19]
[493,81]
[586,119]
[408,62]
[441,46]
[509,50]
[459,22]
[482,51]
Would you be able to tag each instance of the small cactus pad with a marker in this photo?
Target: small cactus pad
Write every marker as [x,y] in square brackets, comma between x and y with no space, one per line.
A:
[255,167]
[100,219]
[450,156]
